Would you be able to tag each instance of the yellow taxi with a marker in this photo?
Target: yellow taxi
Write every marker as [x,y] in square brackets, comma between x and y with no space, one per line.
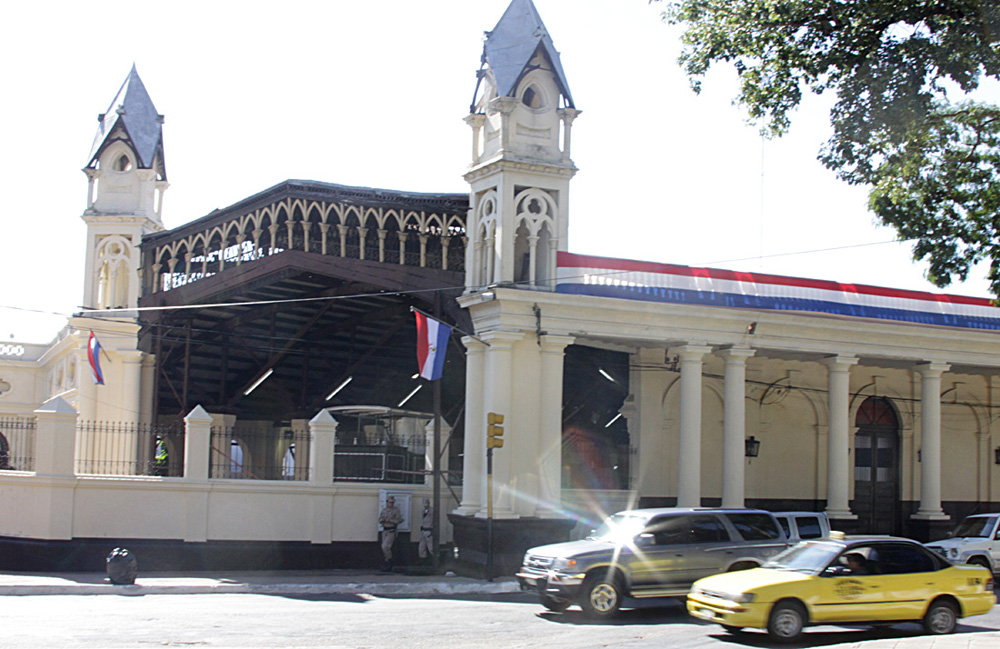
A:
[845,580]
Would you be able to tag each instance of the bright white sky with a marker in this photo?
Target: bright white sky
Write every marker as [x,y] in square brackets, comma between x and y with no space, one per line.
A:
[373,94]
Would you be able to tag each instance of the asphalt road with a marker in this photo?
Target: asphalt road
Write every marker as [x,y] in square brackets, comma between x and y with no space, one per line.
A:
[453,622]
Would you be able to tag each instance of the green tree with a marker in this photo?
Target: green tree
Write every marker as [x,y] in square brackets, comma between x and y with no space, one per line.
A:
[904,73]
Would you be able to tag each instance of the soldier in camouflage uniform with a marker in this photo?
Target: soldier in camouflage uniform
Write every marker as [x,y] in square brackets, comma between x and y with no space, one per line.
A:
[426,547]
[389,518]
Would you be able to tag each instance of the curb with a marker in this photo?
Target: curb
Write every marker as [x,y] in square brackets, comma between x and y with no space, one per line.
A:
[402,588]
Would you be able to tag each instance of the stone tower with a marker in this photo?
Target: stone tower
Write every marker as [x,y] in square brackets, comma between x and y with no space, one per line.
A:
[127,178]
[521,119]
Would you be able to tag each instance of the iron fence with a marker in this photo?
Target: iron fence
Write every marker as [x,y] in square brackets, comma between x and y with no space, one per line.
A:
[128,448]
[398,460]
[256,453]
[17,444]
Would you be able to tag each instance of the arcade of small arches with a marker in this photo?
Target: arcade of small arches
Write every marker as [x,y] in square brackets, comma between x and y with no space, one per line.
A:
[387,235]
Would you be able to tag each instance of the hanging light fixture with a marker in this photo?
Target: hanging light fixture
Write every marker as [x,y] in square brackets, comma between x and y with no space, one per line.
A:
[752,446]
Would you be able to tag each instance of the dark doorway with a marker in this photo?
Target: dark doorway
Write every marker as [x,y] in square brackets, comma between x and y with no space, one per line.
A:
[876,467]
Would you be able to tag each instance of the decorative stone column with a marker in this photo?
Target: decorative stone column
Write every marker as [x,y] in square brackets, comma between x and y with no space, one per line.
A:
[838,467]
[930,441]
[322,441]
[197,445]
[131,407]
[734,426]
[550,426]
[497,389]
[197,441]
[474,457]
[689,455]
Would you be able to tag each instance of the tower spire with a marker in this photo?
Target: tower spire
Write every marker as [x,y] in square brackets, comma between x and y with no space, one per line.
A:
[521,120]
[127,177]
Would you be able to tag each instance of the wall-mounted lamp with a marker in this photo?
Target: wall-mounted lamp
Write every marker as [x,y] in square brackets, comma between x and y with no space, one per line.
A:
[751,328]
[996,455]
[753,446]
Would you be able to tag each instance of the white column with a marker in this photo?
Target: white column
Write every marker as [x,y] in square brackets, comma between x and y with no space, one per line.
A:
[838,468]
[131,407]
[497,389]
[322,441]
[550,427]
[197,434]
[734,426]
[689,455]
[474,454]
[930,441]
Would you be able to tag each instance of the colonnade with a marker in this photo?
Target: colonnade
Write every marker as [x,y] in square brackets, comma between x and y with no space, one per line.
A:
[502,373]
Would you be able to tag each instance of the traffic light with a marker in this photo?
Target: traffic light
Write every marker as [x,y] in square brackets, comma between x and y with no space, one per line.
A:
[494,431]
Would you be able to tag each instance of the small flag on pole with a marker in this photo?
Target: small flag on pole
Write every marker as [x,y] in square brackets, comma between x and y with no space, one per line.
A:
[94,356]
[432,343]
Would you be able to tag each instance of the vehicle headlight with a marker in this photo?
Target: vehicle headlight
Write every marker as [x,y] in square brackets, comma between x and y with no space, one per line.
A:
[524,561]
[563,563]
[953,553]
[742,598]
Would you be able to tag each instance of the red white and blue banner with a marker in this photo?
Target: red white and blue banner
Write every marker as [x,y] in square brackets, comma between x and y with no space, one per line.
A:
[432,343]
[94,356]
[652,282]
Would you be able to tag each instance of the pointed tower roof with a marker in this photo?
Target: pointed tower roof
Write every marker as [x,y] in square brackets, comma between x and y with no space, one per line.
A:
[134,111]
[513,42]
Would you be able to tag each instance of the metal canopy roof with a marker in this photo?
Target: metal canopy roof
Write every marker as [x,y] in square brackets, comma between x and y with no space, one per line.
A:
[511,45]
[134,111]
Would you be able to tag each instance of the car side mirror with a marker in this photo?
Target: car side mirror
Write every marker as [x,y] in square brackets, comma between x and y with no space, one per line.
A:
[645,540]
[835,571]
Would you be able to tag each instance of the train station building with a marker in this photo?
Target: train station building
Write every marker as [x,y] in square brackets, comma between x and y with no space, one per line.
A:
[261,398]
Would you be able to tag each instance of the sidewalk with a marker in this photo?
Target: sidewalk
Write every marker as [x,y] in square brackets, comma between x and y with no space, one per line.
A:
[328,582]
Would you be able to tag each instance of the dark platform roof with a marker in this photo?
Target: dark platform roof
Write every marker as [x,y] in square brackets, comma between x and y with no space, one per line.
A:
[134,110]
[513,42]
[455,203]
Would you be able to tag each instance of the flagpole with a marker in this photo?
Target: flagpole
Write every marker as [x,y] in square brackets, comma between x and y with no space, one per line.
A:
[436,540]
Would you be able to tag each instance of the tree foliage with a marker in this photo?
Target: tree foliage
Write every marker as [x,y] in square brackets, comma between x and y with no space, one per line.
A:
[904,123]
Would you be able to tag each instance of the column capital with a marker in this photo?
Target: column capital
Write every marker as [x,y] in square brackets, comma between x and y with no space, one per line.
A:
[501,340]
[692,352]
[839,362]
[736,354]
[475,120]
[556,344]
[932,369]
[473,345]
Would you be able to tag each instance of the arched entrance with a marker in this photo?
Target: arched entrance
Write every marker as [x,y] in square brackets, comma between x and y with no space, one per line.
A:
[876,467]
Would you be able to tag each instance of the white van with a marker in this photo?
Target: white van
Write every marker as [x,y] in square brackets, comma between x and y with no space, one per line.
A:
[804,525]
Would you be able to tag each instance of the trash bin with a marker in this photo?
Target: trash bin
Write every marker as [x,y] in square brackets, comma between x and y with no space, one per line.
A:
[122,567]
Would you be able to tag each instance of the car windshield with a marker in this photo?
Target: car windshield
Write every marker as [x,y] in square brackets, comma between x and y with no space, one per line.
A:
[807,557]
[619,528]
[975,526]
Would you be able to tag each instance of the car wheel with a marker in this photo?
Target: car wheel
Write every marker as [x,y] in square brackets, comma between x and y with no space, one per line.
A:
[941,617]
[980,561]
[601,596]
[786,622]
[553,604]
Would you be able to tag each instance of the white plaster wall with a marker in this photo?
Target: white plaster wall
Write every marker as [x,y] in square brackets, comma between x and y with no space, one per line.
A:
[156,508]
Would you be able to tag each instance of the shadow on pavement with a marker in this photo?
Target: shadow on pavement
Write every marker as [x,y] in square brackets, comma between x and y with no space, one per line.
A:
[826,636]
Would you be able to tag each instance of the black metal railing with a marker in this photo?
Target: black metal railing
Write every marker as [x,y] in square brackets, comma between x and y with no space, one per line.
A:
[128,448]
[17,444]
[255,453]
[398,460]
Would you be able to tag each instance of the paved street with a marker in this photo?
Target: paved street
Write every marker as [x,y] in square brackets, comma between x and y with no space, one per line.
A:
[453,621]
